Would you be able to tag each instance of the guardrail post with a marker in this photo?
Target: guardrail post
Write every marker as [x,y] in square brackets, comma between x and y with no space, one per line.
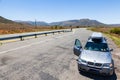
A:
[21,38]
[53,33]
[35,35]
[45,34]
[71,29]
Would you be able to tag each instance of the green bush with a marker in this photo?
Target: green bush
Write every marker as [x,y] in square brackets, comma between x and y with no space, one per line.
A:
[57,27]
[115,31]
[77,26]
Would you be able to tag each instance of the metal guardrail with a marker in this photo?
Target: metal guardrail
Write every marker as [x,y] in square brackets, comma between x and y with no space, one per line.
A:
[32,34]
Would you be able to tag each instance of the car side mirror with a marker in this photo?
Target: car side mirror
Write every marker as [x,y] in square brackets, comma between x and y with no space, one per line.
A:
[105,39]
[111,49]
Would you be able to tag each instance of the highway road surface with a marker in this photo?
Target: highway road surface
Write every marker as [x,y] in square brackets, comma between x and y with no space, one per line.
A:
[47,58]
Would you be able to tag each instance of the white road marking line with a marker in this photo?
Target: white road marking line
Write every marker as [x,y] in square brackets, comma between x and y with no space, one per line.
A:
[31,44]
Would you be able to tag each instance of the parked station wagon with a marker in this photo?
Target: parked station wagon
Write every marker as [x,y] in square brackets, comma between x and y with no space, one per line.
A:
[96,56]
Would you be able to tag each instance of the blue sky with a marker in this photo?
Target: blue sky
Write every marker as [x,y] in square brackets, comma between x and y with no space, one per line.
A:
[106,11]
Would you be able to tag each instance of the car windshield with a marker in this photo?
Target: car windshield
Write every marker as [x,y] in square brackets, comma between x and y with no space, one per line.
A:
[96,46]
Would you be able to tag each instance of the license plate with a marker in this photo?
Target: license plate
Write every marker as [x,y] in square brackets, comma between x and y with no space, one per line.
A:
[94,71]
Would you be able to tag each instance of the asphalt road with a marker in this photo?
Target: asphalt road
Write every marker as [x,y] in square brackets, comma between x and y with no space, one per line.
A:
[45,58]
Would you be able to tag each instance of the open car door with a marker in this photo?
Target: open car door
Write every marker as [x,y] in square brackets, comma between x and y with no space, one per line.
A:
[77,47]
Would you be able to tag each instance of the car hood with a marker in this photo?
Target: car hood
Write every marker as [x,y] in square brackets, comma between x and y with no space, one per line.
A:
[96,56]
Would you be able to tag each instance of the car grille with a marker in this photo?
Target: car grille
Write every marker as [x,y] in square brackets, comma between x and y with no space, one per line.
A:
[94,64]
[98,64]
[90,63]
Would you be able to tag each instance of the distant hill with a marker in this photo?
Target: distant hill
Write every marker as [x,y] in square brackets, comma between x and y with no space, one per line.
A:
[9,27]
[117,25]
[38,23]
[4,20]
[81,22]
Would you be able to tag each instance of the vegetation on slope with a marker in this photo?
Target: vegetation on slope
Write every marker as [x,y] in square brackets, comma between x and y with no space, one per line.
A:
[10,27]
[4,20]
[20,28]
[115,31]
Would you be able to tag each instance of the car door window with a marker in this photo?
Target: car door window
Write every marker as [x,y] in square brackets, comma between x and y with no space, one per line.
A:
[78,43]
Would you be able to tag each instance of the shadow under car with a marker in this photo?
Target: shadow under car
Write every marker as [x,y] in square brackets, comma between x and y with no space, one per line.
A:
[97,76]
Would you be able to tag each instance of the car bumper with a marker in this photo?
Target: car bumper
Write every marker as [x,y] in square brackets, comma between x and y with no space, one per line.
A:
[102,71]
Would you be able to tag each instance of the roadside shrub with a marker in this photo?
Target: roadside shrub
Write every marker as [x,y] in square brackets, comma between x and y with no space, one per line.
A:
[115,31]
[57,27]
[77,27]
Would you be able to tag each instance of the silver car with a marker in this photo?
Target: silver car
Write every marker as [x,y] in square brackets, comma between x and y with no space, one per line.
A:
[96,56]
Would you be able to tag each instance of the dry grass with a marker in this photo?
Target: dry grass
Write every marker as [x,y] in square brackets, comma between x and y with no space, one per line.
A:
[109,31]
[115,39]
[20,28]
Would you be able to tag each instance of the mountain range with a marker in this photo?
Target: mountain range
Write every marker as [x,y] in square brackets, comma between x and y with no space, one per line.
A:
[80,22]
[117,25]
[4,20]
[39,23]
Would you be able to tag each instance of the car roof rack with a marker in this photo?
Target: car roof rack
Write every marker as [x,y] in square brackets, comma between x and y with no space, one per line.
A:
[96,37]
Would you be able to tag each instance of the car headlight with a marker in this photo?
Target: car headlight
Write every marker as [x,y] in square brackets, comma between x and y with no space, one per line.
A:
[81,61]
[108,65]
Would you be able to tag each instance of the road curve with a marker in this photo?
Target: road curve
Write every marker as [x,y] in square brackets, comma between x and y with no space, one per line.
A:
[45,58]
